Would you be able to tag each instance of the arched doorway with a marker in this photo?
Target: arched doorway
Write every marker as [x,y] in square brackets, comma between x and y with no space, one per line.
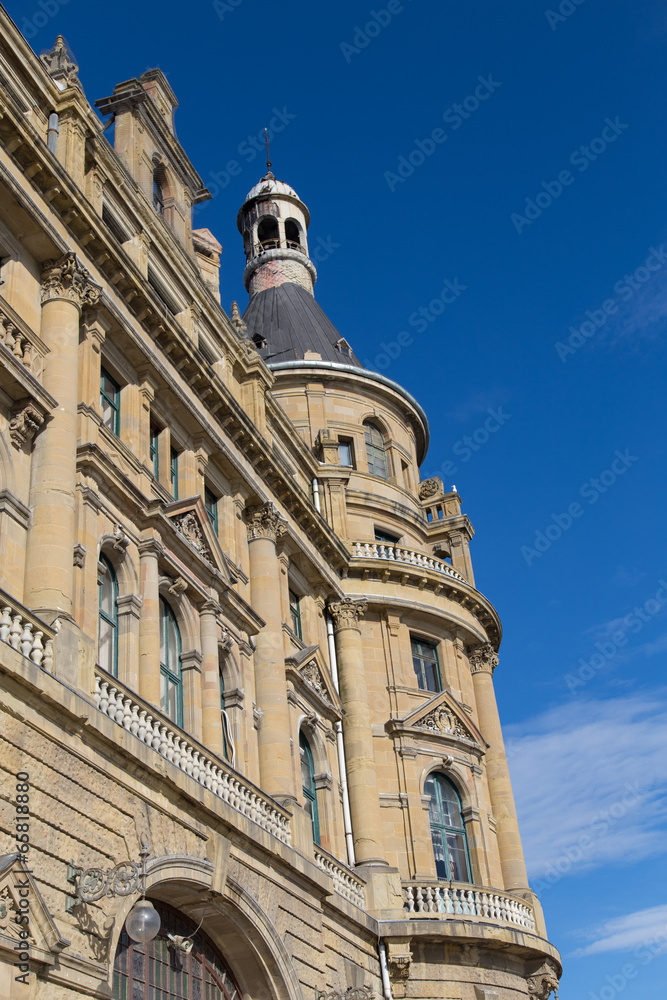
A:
[157,971]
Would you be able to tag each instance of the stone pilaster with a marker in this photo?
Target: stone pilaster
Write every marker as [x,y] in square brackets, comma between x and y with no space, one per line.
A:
[357,732]
[483,661]
[210,679]
[149,625]
[264,524]
[66,289]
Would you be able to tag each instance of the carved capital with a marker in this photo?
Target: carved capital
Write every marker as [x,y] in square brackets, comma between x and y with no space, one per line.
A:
[264,521]
[25,422]
[544,981]
[348,612]
[482,658]
[67,278]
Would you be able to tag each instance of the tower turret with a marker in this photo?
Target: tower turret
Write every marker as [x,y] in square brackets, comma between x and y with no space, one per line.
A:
[274,222]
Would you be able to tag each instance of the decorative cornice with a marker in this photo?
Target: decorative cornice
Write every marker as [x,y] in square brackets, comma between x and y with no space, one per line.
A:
[348,612]
[482,659]
[264,521]
[67,278]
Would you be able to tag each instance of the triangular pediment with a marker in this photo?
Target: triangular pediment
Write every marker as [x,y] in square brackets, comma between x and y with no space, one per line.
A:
[307,667]
[191,522]
[44,940]
[443,715]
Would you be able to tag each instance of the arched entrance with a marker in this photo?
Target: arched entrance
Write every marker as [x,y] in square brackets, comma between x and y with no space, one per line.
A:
[157,971]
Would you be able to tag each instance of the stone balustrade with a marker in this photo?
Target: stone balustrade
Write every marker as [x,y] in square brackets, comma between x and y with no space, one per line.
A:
[149,726]
[20,341]
[396,553]
[25,633]
[466,902]
[345,882]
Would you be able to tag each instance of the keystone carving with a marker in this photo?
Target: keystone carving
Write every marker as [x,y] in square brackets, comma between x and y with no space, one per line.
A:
[544,981]
[348,612]
[430,488]
[67,278]
[482,658]
[264,521]
[24,424]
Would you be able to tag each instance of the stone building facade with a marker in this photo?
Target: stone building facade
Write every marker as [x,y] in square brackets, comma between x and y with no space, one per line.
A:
[239,638]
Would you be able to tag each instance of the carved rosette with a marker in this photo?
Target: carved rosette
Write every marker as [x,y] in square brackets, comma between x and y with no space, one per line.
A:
[264,521]
[348,612]
[544,981]
[67,278]
[430,488]
[482,658]
[24,423]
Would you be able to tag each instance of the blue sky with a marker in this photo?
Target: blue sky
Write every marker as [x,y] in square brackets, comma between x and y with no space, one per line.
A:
[542,201]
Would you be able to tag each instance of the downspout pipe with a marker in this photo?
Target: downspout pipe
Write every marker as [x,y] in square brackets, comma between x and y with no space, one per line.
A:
[52,134]
[342,766]
[316,495]
[384,970]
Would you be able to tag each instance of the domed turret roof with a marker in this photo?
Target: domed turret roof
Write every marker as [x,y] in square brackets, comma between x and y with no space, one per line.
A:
[269,185]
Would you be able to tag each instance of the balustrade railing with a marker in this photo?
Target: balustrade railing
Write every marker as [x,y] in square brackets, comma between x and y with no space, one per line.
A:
[466,901]
[345,882]
[157,731]
[397,553]
[25,633]
[20,341]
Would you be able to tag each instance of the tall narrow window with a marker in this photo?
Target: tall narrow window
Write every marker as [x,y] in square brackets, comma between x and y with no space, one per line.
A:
[345,452]
[107,648]
[154,452]
[295,613]
[448,832]
[171,681]
[425,663]
[375,451]
[110,402]
[173,472]
[158,194]
[308,785]
[211,504]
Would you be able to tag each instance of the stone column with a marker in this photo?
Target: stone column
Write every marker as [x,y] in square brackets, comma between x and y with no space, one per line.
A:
[357,732]
[49,574]
[149,624]
[483,661]
[264,524]
[210,679]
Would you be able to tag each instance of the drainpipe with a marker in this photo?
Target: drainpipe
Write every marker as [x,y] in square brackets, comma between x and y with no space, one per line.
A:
[342,766]
[52,134]
[316,496]
[384,970]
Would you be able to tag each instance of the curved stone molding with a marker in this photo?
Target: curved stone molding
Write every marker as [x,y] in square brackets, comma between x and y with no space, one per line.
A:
[348,612]
[482,658]
[67,278]
[264,521]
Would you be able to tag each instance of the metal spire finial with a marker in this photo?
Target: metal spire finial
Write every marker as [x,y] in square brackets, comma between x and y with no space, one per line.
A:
[268,155]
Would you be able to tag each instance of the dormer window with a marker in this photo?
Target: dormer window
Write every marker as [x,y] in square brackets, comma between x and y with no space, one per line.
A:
[343,346]
[158,193]
[259,341]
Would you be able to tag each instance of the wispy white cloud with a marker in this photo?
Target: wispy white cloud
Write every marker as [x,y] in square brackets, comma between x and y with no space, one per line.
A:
[590,784]
[627,576]
[644,927]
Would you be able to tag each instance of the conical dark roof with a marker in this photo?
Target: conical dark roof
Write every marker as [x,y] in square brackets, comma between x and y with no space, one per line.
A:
[291,322]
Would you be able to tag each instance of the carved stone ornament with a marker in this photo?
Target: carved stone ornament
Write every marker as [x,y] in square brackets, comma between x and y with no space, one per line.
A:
[67,278]
[264,521]
[312,675]
[443,721]
[351,993]
[544,981]
[24,424]
[189,526]
[226,640]
[348,612]
[59,62]
[482,658]
[237,322]
[430,488]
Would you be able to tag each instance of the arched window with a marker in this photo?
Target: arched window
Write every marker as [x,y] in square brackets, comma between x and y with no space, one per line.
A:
[158,192]
[308,785]
[107,646]
[156,970]
[171,683]
[268,235]
[448,833]
[375,451]
[293,234]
